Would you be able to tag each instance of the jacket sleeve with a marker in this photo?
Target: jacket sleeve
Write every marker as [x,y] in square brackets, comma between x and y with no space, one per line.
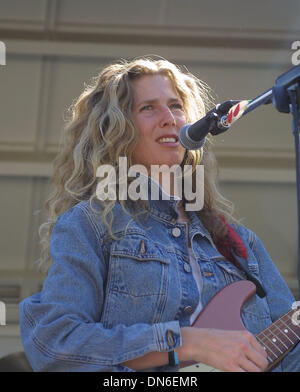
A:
[60,326]
[279,296]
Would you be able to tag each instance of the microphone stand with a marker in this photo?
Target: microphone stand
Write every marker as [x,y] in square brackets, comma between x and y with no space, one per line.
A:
[285,96]
[294,97]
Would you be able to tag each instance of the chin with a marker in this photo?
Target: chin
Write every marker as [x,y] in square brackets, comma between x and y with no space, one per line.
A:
[177,160]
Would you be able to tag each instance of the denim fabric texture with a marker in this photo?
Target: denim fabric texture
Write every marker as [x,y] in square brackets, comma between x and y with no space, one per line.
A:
[107,301]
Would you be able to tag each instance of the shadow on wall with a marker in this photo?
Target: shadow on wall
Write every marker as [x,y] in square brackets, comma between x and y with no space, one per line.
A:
[16,362]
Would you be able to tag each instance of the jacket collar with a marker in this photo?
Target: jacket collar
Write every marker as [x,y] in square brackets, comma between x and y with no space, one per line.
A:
[161,203]
[166,207]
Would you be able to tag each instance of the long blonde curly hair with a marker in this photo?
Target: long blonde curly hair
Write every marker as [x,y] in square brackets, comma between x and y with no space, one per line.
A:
[101,130]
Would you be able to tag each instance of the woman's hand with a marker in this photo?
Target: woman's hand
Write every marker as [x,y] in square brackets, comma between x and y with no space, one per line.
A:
[231,351]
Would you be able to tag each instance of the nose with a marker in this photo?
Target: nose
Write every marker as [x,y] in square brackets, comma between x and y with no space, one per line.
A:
[167,118]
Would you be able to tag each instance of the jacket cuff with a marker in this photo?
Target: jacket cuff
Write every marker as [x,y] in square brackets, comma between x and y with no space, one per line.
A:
[167,336]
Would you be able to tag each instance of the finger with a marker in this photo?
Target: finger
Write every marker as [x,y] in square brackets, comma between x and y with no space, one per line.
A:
[261,348]
[257,360]
[239,369]
[257,346]
[253,353]
[248,366]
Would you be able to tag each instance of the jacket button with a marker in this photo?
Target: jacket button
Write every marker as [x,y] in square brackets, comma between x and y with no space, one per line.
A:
[170,338]
[187,267]
[187,309]
[176,232]
[208,274]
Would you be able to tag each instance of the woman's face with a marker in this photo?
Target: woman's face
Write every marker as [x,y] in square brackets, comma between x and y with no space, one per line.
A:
[158,116]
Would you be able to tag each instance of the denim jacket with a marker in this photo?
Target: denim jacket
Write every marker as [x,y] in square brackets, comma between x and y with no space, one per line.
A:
[107,301]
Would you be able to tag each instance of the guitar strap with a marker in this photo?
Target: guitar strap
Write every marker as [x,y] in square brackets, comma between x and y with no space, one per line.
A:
[243,265]
[232,247]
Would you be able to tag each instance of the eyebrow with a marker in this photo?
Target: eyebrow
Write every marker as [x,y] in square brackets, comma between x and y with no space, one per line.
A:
[154,100]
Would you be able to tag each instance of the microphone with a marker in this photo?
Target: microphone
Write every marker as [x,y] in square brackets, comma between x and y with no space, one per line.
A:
[222,116]
[192,136]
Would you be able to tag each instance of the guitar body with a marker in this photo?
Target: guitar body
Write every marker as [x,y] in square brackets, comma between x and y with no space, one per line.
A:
[223,311]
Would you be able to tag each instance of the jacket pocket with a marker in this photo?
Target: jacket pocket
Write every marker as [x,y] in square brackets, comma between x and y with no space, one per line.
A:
[231,273]
[137,283]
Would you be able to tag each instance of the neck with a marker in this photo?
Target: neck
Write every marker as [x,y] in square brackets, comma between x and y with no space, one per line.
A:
[168,180]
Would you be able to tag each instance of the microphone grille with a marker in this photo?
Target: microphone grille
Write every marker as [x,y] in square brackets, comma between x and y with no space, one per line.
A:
[187,142]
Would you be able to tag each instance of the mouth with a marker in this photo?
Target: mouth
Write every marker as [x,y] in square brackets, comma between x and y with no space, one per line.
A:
[168,140]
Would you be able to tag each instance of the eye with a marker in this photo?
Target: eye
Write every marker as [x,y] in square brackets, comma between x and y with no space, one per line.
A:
[177,105]
[146,107]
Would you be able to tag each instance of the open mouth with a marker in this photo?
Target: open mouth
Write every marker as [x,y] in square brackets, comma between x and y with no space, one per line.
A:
[168,140]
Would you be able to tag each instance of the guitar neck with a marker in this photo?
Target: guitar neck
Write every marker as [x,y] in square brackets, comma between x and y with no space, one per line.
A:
[279,338]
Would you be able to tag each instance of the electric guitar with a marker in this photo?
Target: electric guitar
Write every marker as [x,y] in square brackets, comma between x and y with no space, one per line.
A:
[223,311]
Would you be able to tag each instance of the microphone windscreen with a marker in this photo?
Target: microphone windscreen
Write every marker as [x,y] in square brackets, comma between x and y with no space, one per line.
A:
[187,142]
